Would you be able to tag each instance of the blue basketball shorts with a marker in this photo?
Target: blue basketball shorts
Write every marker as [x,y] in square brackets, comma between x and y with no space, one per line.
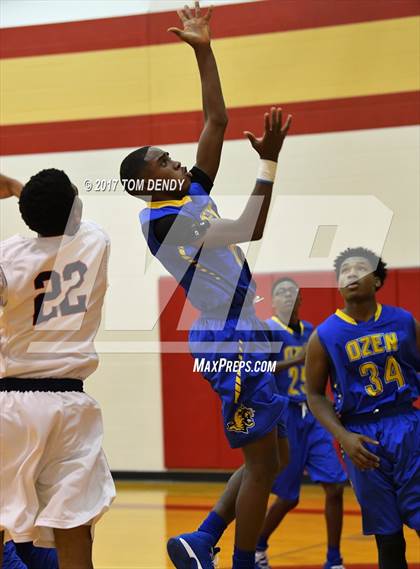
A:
[10,557]
[311,448]
[234,355]
[389,495]
[25,555]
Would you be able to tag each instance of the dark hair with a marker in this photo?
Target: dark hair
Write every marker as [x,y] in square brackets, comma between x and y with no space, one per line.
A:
[282,280]
[379,267]
[46,202]
[132,166]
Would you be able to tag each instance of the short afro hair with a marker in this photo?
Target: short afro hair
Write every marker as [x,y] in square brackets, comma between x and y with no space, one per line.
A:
[46,202]
[379,267]
[132,167]
[283,280]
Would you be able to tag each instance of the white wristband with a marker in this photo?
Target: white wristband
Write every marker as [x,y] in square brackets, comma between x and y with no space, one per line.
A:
[267,171]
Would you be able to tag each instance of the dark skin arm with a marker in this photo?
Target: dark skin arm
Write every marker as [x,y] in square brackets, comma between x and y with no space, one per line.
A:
[282,365]
[317,373]
[9,187]
[249,226]
[196,32]
[417,324]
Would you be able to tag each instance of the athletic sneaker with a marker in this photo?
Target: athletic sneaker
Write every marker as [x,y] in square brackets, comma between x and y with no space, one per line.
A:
[261,560]
[192,551]
[328,565]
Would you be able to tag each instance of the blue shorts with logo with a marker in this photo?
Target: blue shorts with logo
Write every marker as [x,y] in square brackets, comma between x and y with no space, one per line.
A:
[311,448]
[389,495]
[237,356]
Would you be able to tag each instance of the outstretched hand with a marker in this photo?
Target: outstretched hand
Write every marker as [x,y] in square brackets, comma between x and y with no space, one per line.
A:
[196,30]
[271,142]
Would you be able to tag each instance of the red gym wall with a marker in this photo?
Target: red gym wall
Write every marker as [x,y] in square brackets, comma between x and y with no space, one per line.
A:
[193,430]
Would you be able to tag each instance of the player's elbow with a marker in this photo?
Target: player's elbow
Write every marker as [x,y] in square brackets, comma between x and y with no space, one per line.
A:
[258,232]
[313,399]
[219,120]
[245,234]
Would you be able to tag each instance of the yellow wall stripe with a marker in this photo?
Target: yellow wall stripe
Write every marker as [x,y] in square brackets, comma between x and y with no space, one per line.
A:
[339,61]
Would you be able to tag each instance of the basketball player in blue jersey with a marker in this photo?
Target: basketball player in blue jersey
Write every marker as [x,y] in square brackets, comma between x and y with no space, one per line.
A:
[372,353]
[186,233]
[311,446]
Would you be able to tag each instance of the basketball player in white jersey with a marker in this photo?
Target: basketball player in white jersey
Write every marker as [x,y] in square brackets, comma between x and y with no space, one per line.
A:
[54,479]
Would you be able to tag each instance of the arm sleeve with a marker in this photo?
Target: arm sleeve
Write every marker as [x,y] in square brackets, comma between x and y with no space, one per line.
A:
[177,229]
[201,178]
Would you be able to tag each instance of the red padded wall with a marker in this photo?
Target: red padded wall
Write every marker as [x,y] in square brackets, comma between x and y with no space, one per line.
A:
[193,430]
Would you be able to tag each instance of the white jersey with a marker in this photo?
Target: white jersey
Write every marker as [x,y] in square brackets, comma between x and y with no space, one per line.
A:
[51,296]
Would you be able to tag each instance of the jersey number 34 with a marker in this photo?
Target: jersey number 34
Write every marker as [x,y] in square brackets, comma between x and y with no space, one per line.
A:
[392,372]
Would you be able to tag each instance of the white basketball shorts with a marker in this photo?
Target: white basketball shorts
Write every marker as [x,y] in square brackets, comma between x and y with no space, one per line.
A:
[53,471]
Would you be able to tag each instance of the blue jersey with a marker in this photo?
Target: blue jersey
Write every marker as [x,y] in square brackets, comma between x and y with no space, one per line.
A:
[212,278]
[374,363]
[290,382]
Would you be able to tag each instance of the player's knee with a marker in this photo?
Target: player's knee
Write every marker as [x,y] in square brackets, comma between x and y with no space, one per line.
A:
[264,470]
[290,504]
[334,491]
[283,455]
[391,551]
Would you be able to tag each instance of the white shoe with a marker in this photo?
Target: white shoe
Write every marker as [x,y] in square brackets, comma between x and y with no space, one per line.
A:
[261,560]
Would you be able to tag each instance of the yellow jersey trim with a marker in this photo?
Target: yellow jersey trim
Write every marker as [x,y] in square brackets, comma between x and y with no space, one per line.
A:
[351,320]
[287,328]
[171,203]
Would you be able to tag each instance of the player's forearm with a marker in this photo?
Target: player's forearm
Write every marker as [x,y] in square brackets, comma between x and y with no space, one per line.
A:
[213,102]
[249,226]
[254,217]
[283,365]
[9,187]
[323,410]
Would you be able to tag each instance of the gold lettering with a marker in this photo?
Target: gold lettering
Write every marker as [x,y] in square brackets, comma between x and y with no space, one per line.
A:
[353,350]
[377,343]
[391,342]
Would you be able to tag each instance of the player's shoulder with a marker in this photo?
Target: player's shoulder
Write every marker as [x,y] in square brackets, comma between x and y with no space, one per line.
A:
[308,326]
[201,183]
[278,327]
[157,210]
[390,312]
[273,324]
[9,247]
[331,322]
[89,227]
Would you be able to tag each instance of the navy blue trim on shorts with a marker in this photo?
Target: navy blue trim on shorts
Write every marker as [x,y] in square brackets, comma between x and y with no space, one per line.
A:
[41,384]
[378,414]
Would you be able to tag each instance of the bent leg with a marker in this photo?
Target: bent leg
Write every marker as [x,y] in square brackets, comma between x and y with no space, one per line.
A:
[274,517]
[74,547]
[334,513]
[262,464]
[391,551]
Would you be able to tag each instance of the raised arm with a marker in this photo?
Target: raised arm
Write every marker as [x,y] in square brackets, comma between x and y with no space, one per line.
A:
[9,187]
[250,225]
[196,32]
[317,372]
